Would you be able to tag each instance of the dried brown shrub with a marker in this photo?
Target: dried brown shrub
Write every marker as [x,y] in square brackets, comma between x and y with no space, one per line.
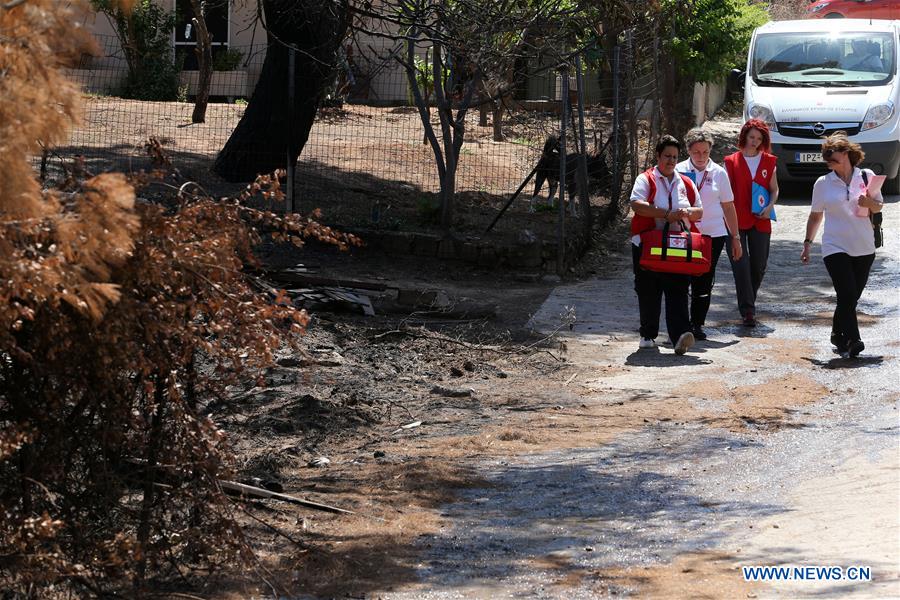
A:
[117,319]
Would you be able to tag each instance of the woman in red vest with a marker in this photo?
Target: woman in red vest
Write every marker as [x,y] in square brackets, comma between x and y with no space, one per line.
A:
[659,195]
[751,168]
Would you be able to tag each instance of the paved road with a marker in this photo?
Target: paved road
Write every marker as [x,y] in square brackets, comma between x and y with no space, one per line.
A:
[820,488]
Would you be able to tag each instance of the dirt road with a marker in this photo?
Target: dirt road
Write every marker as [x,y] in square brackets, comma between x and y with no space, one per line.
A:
[759,447]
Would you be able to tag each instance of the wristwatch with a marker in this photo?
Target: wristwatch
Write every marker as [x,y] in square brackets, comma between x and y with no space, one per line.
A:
[807,241]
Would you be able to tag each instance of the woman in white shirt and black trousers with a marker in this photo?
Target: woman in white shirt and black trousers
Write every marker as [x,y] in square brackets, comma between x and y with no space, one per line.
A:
[848,243]
[719,221]
[659,195]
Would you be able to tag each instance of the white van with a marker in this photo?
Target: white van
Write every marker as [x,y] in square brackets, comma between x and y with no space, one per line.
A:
[808,79]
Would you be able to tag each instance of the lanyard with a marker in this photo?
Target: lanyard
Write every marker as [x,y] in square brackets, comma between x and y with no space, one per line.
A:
[702,180]
[852,177]
[669,188]
[705,174]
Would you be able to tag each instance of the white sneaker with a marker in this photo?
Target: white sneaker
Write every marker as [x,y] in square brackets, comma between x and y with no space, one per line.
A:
[684,342]
[646,343]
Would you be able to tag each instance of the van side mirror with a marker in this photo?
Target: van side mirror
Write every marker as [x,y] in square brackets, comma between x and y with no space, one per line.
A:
[735,82]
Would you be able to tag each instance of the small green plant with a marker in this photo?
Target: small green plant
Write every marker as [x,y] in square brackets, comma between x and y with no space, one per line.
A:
[182,93]
[429,210]
[228,59]
[424,69]
[241,102]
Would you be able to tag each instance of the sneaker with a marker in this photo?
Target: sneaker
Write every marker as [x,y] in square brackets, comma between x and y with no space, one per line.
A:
[699,334]
[646,343]
[855,347]
[749,320]
[684,342]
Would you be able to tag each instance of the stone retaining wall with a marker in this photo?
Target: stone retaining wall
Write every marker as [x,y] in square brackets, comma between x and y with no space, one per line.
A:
[528,253]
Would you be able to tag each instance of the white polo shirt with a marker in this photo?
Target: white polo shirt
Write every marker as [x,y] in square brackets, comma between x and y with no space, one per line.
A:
[668,195]
[844,231]
[715,189]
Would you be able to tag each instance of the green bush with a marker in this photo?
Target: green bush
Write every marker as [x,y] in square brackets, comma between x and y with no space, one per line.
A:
[228,59]
[709,37]
[157,80]
[146,34]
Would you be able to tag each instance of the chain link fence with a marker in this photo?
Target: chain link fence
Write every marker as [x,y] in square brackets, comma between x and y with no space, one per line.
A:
[366,164]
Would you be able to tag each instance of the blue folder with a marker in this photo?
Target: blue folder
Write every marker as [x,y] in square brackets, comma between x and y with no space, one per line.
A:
[759,200]
[690,175]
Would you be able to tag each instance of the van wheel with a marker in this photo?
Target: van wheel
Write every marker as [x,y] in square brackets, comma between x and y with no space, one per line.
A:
[891,187]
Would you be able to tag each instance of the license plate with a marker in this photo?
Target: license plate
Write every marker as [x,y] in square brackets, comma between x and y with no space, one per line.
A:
[808,157]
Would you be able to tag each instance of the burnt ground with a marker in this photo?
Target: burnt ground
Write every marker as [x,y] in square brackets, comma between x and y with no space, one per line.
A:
[363,378]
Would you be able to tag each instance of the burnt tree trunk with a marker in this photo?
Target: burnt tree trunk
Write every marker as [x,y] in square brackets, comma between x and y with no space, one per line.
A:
[497,122]
[677,101]
[204,63]
[265,138]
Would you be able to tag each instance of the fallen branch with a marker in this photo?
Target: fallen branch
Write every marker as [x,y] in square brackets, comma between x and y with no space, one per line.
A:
[242,489]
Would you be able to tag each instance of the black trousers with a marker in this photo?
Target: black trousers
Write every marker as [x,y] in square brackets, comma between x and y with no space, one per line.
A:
[650,287]
[749,271]
[849,275]
[702,285]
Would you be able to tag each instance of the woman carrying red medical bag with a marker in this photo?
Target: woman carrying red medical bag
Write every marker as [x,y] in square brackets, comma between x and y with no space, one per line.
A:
[666,246]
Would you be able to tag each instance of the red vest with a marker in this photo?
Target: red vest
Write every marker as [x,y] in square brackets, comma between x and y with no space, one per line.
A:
[640,224]
[742,184]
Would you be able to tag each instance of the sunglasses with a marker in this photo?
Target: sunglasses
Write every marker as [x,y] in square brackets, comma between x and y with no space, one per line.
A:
[829,153]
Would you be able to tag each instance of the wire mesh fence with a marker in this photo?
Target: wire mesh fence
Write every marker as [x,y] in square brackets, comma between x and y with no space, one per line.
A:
[366,163]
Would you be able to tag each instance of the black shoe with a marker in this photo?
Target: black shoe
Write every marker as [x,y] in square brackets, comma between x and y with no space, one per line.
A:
[855,347]
[699,334]
[839,343]
[750,320]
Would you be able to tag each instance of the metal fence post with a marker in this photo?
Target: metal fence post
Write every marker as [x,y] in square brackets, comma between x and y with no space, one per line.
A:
[617,130]
[584,195]
[655,119]
[630,99]
[289,200]
[563,117]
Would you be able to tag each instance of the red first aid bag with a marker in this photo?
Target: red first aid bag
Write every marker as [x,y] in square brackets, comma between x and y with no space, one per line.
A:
[682,252]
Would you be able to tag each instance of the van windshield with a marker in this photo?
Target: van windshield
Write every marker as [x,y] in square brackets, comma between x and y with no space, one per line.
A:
[809,59]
